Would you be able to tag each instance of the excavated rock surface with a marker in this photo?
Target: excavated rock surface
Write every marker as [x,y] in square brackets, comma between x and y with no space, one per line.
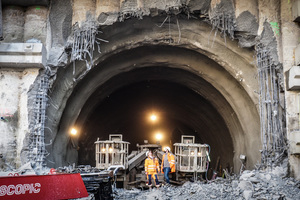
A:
[249,185]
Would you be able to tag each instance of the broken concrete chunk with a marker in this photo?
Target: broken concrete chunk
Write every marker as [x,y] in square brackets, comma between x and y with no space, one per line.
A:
[247,194]
[245,185]
[246,175]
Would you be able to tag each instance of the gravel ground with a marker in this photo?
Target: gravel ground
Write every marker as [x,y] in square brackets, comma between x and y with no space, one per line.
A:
[263,185]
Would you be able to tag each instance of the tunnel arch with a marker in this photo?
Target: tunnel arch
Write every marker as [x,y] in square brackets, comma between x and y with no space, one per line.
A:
[174,93]
[225,70]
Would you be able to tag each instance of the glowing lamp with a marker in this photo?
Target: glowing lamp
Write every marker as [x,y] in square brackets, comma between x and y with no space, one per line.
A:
[153,117]
[158,136]
[73,131]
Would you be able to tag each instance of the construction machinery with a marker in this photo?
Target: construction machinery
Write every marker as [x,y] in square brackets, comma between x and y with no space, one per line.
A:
[128,170]
[112,155]
[50,186]
[112,152]
[115,167]
[191,158]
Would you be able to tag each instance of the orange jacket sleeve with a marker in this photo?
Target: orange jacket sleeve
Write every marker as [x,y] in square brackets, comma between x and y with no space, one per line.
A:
[146,165]
[172,162]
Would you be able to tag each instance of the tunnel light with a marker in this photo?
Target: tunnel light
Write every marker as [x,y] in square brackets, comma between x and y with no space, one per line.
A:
[158,136]
[73,131]
[153,117]
[199,153]
[103,149]
[192,153]
[110,149]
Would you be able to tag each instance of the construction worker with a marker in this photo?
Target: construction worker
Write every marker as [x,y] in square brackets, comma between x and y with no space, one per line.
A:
[151,168]
[168,163]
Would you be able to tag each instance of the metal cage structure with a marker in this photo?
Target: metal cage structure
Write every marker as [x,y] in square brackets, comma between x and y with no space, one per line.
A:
[112,152]
[191,157]
[147,147]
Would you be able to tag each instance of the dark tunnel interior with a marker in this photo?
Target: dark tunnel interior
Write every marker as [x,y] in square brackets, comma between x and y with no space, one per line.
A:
[180,111]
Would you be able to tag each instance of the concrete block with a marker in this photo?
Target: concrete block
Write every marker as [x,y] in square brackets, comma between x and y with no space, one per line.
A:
[294,140]
[296,10]
[27,55]
[294,78]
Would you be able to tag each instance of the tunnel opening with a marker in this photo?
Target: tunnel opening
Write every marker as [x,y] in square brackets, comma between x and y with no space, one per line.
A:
[218,80]
[180,110]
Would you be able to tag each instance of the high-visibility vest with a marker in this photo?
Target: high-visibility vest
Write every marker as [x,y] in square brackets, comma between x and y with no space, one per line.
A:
[151,165]
[171,160]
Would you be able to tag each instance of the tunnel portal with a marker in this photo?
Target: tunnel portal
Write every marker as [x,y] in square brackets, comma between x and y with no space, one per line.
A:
[197,88]
[180,111]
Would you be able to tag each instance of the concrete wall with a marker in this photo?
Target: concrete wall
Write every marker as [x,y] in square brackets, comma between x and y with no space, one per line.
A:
[20,65]
[14,85]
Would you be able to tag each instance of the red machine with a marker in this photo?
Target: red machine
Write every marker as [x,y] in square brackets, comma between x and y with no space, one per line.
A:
[50,187]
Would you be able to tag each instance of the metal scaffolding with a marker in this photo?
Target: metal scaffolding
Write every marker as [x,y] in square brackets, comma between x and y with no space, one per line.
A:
[271,109]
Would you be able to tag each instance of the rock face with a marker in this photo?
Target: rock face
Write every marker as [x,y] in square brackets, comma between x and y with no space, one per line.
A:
[250,185]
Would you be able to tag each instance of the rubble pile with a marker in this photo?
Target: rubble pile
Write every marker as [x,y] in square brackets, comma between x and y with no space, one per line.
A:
[249,185]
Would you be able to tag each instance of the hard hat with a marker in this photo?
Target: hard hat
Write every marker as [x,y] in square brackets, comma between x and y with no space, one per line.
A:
[147,153]
[167,148]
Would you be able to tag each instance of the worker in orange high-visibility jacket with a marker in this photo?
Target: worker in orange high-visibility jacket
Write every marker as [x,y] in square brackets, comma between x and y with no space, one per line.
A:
[168,163]
[151,168]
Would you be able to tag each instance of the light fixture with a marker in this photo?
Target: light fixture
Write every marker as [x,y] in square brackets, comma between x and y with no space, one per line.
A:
[158,136]
[153,117]
[73,132]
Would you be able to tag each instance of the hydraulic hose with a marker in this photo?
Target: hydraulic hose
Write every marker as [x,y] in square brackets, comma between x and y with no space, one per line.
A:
[207,154]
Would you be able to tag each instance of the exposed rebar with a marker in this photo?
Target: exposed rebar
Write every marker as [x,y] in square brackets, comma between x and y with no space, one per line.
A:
[271,121]
[84,43]
[224,23]
[37,151]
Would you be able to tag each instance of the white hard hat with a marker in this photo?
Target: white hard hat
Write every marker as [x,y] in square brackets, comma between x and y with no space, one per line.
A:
[147,152]
[167,148]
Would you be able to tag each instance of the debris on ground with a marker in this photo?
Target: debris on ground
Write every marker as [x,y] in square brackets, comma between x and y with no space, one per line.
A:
[262,184]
